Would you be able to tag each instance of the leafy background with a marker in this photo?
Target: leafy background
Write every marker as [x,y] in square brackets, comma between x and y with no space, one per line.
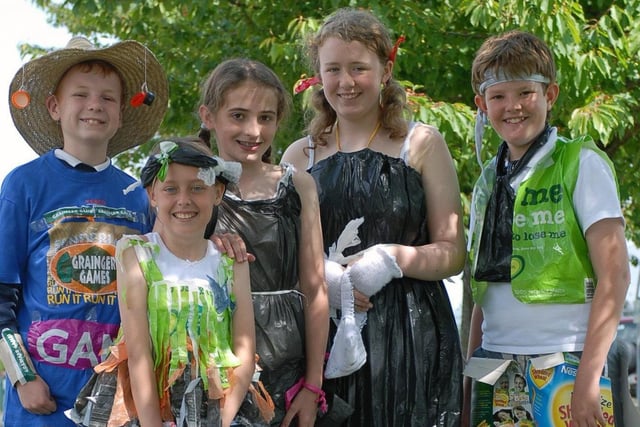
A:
[595,42]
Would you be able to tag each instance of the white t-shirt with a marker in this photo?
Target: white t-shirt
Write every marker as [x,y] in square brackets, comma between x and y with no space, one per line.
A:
[511,326]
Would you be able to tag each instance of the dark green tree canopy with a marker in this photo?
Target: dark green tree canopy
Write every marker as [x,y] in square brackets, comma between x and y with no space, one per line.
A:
[596,44]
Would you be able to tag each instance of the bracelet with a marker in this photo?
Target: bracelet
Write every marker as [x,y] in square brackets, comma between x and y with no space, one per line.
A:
[322,397]
[15,357]
[294,389]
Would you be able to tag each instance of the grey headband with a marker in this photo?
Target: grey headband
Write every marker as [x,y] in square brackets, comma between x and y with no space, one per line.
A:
[490,79]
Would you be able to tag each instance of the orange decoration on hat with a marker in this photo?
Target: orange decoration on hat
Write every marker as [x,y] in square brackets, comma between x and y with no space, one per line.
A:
[20,99]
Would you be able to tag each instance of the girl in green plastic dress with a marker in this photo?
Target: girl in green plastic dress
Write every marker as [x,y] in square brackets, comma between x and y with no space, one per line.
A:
[186,309]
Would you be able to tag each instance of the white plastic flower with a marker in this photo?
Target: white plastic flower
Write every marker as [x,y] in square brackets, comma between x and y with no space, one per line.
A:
[229,170]
[208,175]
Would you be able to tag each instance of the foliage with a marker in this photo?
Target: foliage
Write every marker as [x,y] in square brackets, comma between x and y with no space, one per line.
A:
[596,43]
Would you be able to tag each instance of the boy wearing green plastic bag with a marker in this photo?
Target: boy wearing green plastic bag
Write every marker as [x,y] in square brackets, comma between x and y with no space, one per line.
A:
[548,252]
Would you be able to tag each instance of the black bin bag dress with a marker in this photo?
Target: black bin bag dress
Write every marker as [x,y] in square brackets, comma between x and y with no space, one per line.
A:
[413,373]
[270,231]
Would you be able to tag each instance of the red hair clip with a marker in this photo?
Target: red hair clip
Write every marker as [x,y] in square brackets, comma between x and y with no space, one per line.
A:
[305,83]
[394,51]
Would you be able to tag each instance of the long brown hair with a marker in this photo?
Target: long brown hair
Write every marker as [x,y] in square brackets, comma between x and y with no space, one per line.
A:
[229,75]
[350,24]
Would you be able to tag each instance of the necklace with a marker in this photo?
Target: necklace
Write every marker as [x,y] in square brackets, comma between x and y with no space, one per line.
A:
[373,135]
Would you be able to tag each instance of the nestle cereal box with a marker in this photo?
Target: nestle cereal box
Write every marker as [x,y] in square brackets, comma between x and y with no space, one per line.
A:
[500,395]
[550,379]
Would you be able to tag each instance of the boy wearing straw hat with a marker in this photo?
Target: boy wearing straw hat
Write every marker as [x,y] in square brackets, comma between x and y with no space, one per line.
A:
[61,214]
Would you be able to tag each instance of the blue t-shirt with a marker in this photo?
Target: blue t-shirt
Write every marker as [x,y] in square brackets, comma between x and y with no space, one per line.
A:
[58,229]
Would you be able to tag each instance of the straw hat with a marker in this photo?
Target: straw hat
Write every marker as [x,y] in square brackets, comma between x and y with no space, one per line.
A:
[140,71]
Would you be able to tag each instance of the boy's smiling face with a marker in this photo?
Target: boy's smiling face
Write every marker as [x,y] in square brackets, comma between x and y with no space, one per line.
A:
[517,110]
[87,103]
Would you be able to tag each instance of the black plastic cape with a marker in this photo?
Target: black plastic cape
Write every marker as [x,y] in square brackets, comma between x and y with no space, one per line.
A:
[413,373]
[269,229]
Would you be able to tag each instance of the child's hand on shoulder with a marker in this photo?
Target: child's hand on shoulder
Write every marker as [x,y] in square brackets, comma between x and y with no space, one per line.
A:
[233,246]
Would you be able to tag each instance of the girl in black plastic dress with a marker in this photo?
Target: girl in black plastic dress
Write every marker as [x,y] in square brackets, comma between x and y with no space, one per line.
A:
[274,208]
[397,181]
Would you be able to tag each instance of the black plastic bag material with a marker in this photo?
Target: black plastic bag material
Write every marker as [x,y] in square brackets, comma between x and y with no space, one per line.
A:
[413,373]
[249,413]
[279,323]
[494,254]
[95,402]
[270,229]
[338,410]
[496,241]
